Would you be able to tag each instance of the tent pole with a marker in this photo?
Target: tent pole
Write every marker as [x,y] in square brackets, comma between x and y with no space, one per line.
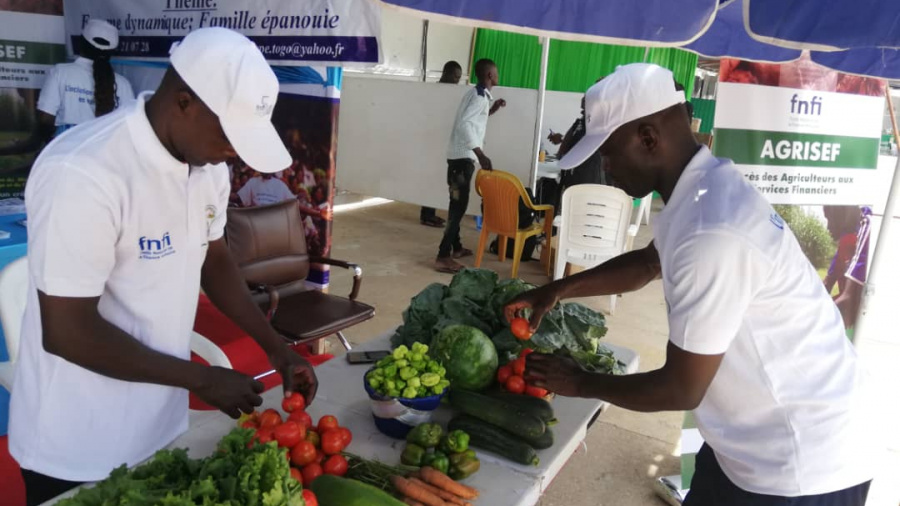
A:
[539,122]
[887,221]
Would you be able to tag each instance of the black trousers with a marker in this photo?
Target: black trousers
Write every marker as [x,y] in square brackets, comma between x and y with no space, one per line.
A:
[710,487]
[459,182]
[40,488]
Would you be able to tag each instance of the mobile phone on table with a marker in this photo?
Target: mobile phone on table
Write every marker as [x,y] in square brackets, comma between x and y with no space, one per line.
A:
[366,357]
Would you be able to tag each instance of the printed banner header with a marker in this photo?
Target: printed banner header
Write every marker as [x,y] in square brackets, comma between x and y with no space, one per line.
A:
[287,32]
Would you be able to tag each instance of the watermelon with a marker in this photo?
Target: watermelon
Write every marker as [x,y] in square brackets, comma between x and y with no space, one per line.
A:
[467,354]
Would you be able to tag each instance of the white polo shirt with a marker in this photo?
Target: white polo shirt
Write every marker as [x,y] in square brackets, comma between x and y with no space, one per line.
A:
[259,191]
[68,92]
[470,124]
[111,214]
[789,411]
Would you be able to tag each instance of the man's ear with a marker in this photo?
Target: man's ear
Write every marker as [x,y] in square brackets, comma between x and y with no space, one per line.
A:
[648,135]
[185,100]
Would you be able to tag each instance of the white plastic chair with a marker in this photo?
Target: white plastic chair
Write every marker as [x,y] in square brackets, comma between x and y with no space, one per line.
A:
[13,294]
[593,228]
[14,285]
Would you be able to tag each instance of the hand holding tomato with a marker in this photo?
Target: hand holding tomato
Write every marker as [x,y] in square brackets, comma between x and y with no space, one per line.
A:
[295,402]
[521,328]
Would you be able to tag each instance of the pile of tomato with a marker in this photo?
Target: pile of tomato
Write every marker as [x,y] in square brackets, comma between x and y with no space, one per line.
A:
[312,449]
[512,377]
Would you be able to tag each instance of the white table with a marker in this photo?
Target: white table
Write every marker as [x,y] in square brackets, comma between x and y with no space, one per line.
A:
[341,394]
[549,169]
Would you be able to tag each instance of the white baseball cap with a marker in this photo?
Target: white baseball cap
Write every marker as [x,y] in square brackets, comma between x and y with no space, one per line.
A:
[631,92]
[101,34]
[231,76]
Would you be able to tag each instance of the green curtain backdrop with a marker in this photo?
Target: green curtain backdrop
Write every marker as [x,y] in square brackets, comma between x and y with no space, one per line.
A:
[572,66]
[705,110]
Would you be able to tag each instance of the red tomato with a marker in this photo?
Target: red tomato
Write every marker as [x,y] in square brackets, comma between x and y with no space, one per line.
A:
[309,498]
[264,435]
[515,384]
[336,465]
[332,442]
[535,391]
[310,473]
[313,437]
[346,436]
[524,353]
[503,374]
[327,422]
[269,418]
[295,474]
[289,434]
[518,366]
[520,328]
[320,457]
[301,417]
[303,454]
[249,424]
[295,402]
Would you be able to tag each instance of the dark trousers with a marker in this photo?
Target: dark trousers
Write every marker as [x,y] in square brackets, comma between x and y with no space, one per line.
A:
[459,181]
[710,487]
[426,213]
[40,488]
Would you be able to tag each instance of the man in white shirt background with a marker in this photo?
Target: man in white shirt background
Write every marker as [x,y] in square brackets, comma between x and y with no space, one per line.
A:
[126,217]
[263,190]
[756,346]
[464,150]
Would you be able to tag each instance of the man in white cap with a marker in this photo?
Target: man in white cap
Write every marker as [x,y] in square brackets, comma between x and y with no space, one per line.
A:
[126,220]
[756,346]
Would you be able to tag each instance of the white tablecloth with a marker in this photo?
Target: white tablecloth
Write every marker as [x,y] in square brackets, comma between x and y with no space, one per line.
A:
[341,394]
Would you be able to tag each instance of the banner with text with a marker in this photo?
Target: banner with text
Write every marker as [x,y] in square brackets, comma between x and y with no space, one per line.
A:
[328,32]
[801,133]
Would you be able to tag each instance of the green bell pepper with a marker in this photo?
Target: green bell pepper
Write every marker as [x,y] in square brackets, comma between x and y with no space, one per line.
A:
[456,441]
[438,460]
[426,435]
[412,455]
[464,467]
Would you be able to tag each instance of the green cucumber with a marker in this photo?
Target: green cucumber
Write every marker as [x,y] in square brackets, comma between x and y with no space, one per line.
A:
[543,442]
[494,439]
[535,405]
[336,491]
[503,414]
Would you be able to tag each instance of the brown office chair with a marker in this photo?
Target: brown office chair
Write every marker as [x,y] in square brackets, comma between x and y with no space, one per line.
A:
[269,245]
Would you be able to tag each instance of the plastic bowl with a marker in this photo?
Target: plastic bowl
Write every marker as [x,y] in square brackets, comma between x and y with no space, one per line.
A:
[396,416]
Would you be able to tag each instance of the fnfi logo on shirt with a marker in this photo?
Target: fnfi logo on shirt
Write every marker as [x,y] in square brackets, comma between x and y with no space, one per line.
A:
[155,249]
[264,108]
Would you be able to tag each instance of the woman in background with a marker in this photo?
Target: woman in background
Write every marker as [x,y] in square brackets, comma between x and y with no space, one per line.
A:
[86,88]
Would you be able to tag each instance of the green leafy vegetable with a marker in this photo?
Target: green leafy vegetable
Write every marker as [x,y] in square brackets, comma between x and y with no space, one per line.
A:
[235,475]
[476,285]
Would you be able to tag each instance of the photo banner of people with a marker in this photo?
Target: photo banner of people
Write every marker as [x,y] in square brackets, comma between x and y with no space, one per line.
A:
[307,124]
[32,40]
[317,32]
[809,139]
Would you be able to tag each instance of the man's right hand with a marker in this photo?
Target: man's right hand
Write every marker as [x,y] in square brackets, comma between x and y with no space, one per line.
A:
[485,162]
[230,391]
[540,301]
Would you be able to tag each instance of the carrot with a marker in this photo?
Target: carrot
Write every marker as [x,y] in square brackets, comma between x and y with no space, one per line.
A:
[443,494]
[442,481]
[413,491]
[412,502]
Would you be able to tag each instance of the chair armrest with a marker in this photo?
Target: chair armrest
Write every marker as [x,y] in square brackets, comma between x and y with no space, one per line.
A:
[357,272]
[274,298]
[543,207]
[208,350]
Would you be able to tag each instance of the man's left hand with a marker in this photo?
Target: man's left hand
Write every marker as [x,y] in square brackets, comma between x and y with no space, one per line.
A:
[561,375]
[500,102]
[296,373]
